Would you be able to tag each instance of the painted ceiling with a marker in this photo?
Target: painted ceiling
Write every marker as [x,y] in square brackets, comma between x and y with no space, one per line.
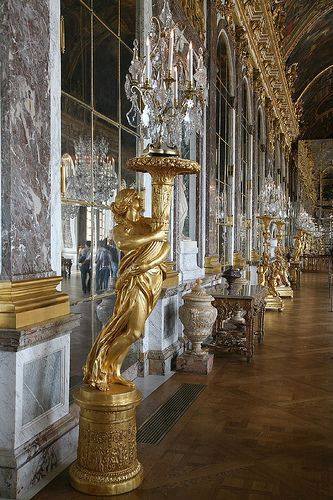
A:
[308,41]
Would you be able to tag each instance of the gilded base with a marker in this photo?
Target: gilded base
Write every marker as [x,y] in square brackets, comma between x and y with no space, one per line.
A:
[24,303]
[212,265]
[107,461]
[274,303]
[285,292]
[172,277]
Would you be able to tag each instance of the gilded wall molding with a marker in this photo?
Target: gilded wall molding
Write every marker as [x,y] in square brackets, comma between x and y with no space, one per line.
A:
[259,25]
[307,175]
[194,12]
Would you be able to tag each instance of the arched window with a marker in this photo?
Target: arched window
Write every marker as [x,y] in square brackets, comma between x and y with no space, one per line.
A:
[223,139]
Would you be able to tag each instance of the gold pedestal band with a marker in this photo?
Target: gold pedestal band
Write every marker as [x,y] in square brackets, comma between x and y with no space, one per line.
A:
[212,265]
[24,303]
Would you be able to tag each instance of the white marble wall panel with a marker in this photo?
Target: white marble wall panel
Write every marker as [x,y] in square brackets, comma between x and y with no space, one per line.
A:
[163,331]
[155,332]
[189,260]
[38,394]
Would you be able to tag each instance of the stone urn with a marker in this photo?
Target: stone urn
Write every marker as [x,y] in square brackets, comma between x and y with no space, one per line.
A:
[198,316]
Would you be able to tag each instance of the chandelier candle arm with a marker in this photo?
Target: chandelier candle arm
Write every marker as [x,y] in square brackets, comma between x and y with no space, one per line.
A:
[168,105]
[190,63]
[148,60]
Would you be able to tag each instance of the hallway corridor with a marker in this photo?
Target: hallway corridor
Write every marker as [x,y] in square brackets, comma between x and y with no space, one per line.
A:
[263,430]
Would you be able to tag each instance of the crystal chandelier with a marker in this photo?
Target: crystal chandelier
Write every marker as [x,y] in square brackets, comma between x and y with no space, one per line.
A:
[305,222]
[167,90]
[69,212]
[272,200]
[97,170]
[105,176]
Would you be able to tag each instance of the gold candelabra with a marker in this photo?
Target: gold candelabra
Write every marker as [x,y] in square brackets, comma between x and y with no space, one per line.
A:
[266,234]
[284,289]
[107,461]
[268,272]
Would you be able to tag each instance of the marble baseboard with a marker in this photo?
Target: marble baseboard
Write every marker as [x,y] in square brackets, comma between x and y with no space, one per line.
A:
[163,362]
[30,467]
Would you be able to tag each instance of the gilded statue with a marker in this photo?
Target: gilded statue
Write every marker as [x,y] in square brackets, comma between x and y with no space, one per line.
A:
[298,246]
[282,267]
[141,275]
[272,278]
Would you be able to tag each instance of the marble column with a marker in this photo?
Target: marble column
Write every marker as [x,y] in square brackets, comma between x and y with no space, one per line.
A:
[26,137]
[37,430]
[30,152]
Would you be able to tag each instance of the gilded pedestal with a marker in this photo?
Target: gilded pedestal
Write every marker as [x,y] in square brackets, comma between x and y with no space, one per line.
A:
[212,265]
[285,291]
[107,461]
[274,303]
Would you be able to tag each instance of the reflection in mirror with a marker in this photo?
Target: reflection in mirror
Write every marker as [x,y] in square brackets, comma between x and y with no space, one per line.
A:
[106,74]
[81,341]
[75,63]
[76,260]
[76,173]
[128,21]
[106,161]
[108,12]
[106,256]
[126,57]
[128,150]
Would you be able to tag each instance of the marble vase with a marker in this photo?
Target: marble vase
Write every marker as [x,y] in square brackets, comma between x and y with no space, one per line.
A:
[198,316]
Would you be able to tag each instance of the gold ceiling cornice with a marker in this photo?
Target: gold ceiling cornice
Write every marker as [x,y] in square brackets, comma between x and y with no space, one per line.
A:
[255,17]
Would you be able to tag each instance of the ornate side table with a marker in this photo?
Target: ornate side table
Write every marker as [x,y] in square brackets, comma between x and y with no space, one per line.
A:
[249,301]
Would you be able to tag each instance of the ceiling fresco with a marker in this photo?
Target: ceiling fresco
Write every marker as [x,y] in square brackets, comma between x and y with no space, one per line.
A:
[308,41]
[317,121]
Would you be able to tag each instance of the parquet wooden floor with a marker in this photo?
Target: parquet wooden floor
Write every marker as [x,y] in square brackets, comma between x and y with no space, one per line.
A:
[263,430]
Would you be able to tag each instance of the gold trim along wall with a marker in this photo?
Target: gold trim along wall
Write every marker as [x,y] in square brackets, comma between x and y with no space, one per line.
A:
[258,41]
[25,303]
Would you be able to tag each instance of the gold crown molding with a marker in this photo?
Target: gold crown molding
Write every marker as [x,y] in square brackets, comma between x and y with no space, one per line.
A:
[258,28]
[24,303]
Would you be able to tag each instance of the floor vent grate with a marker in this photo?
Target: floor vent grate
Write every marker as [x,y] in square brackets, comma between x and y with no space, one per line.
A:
[153,430]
